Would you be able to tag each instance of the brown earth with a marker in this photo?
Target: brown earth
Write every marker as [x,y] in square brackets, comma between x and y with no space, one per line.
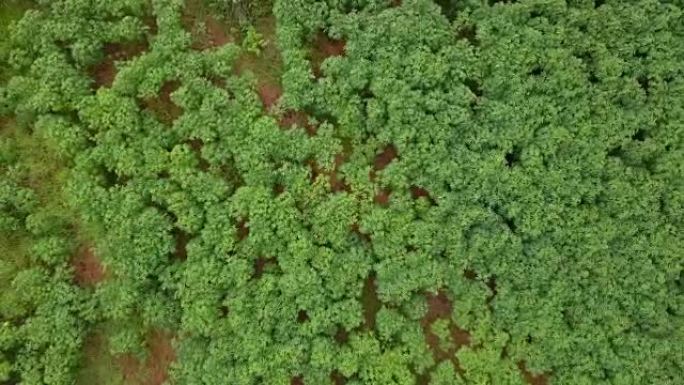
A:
[88,269]
[216,33]
[336,183]
[540,379]
[196,147]
[384,158]
[206,30]
[363,236]
[337,378]
[260,265]
[370,301]
[440,307]
[104,72]
[269,94]
[242,229]
[162,106]
[419,192]
[181,240]
[324,47]
[154,369]
[299,119]
[382,198]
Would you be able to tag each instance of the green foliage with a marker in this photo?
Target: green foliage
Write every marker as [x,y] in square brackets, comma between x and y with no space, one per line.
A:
[471,192]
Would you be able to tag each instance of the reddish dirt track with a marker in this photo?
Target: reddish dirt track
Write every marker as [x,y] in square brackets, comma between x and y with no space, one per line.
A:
[440,307]
[382,198]
[419,192]
[269,94]
[383,159]
[88,269]
[154,369]
[370,301]
[530,378]
[162,106]
[216,34]
[298,118]
[104,73]
[323,48]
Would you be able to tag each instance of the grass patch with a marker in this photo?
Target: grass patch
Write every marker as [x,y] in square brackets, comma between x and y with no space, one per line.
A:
[98,366]
[10,11]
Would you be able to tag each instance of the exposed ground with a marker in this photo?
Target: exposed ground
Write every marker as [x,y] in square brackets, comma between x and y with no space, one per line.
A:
[88,269]
[104,73]
[153,370]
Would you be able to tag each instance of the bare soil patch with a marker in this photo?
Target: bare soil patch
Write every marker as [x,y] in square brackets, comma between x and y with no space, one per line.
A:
[181,239]
[370,301]
[335,181]
[269,94]
[196,146]
[324,47]
[299,119]
[260,266]
[206,30]
[540,379]
[440,307]
[382,198]
[162,106]
[419,192]
[337,378]
[154,369]
[242,229]
[88,269]
[104,72]
[384,158]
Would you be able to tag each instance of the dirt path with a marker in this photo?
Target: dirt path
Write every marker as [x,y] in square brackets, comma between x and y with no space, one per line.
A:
[104,72]
[154,369]
[324,47]
[88,269]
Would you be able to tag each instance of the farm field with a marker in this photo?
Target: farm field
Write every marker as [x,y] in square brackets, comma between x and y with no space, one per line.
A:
[359,192]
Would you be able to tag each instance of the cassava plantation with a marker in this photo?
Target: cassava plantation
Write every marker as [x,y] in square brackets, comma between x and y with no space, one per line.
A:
[330,192]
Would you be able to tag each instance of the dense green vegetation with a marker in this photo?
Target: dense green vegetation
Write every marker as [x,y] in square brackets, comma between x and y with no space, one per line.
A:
[341,192]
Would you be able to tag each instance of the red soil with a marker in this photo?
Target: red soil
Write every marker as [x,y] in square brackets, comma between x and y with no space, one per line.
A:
[104,73]
[382,198]
[162,106]
[540,379]
[154,370]
[242,230]
[298,118]
[337,378]
[384,158]
[216,34]
[418,192]
[269,94]
[329,47]
[363,236]
[213,34]
[196,146]
[341,336]
[323,48]
[181,238]
[297,381]
[370,301]
[440,307]
[336,183]
[260,265]
[88,269]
